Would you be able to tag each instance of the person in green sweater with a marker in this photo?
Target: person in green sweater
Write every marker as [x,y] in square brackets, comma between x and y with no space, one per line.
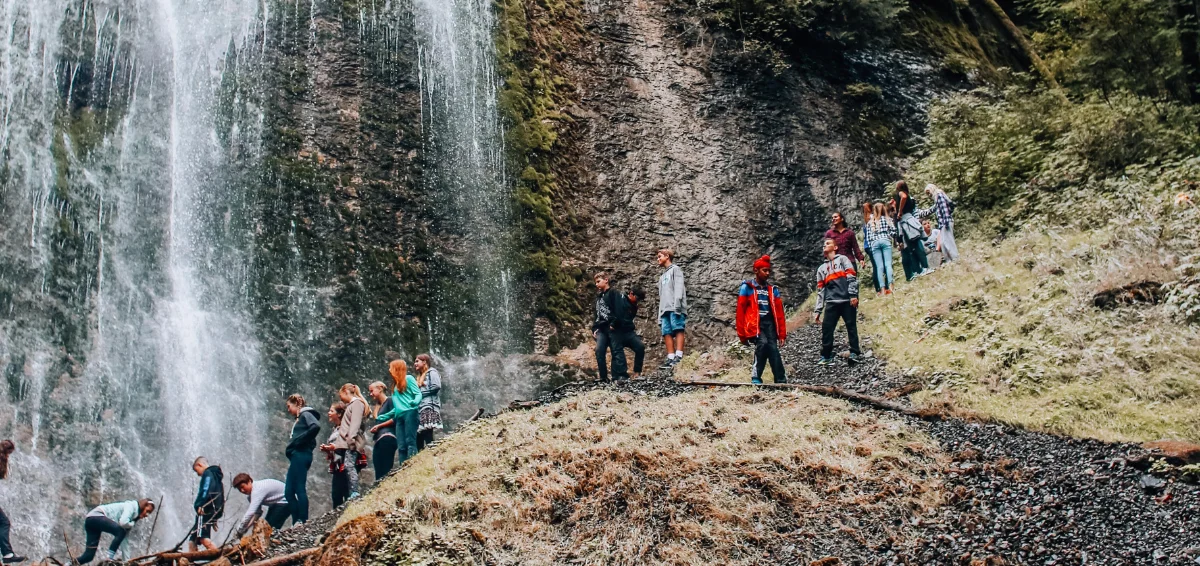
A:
[406,398]
[115,519]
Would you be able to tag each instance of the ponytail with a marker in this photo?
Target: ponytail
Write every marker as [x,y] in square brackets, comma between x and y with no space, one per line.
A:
[6,448]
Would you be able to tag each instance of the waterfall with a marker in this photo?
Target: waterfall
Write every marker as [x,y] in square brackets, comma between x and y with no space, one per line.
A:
[124,338]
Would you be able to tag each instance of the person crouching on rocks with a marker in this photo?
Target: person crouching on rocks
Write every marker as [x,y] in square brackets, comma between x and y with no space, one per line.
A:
[115,519]
[761,321]
[335,452]
[837,297]
[266,497]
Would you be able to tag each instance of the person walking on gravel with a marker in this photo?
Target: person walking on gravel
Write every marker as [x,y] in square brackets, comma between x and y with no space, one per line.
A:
[837,298]
[672,307]
[606,306]
[761,321]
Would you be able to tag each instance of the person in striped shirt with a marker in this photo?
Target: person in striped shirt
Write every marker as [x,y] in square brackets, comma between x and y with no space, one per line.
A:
[837,298]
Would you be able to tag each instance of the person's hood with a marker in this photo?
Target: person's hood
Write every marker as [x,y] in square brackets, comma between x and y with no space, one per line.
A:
[216,472]
[310,410]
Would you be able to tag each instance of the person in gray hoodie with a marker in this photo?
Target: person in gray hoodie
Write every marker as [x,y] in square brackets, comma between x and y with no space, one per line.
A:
[672,307]
[837,298]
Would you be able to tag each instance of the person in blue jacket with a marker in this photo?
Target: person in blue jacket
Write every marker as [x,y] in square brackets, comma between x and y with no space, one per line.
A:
[209,504]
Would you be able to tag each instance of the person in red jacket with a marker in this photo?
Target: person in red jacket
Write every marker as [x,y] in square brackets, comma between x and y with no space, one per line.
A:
[846,239]
[762,322]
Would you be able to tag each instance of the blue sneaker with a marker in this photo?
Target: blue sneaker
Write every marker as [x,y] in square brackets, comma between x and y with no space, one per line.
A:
[756,381]
[855,359]
[825,361]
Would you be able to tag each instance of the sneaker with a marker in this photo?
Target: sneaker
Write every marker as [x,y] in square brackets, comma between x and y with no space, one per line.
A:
[855,358]
[825,361]
[354,495]
[668,364]
[11,558]
[756,381]
[887,291]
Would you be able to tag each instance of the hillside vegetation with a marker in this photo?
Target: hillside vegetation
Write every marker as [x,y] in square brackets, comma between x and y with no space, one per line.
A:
[1075,307]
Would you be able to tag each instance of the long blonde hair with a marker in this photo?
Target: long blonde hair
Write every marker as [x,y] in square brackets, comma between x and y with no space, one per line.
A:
[878,213]
[354,391]
[399,371]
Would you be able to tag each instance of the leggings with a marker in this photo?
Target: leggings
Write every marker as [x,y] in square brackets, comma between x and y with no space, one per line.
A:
[5,545]
[295,489]
[92,528]
[341,486]
[384,456]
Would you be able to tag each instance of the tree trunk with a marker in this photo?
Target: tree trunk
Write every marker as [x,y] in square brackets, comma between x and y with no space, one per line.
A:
[1187,12]
[1023,43]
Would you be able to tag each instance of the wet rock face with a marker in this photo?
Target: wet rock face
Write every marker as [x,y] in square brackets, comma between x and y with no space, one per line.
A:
[675,146]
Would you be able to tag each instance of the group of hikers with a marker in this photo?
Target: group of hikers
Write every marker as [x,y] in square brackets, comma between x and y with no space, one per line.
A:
[403,419]
[761,321]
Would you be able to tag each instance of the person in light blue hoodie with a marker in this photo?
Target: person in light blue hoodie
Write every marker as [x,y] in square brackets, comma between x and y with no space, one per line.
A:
[406,398]
[115,519]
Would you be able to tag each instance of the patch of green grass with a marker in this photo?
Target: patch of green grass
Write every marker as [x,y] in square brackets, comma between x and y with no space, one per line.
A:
[1011,332]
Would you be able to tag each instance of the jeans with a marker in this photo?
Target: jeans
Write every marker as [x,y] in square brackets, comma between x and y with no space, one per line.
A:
[766,349]
[295,488]
[407,424]
[5,545]
[622,339]
[834,311]
[874,269]
[278,515]
[604,342]
[384,456]
[341,486]
[92,528]
[352,469]
[881,257]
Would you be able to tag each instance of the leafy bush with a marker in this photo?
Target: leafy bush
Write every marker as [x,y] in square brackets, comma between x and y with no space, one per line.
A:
[789,23]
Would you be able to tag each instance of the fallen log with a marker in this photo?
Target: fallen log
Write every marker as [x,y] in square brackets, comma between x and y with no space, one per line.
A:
[829,391]
[287,559]
[250,547]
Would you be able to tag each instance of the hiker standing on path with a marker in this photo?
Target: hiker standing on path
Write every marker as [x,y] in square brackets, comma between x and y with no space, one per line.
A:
[299,454]
[606,304]
[868,215]
[335,450]
[880,232]
[672,307]
[6,552]
[837,297]
[624,334]
[262,493]
[847,240]
[383,455]
[912,255]
[115,519]
[761,321]
[209,504]
[943,210]
[406,398]
[353,430]
[429,412]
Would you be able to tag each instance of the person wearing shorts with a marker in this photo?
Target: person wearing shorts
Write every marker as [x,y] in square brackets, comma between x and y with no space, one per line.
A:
[672,307]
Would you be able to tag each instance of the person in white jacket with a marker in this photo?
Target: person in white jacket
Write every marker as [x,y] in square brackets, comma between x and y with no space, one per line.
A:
[262,493]
[115,519]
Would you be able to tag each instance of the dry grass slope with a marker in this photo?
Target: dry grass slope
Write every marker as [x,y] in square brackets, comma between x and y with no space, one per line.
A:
[700,478]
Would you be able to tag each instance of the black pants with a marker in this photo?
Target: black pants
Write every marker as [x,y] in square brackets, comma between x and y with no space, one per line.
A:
[92,528]
[424,438]
[766,349]
[913,258]
[278,515]
[622,339]
[833,312]
[384,456]
[295,488]
[5,545]
[603,343]
[341,487]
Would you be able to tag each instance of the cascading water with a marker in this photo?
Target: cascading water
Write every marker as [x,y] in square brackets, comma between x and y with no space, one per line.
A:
[122,266]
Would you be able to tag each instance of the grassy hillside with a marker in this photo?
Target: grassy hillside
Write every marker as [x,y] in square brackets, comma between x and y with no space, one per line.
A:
[702,477]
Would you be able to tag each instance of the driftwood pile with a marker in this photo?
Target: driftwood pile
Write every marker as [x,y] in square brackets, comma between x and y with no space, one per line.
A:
[246,552]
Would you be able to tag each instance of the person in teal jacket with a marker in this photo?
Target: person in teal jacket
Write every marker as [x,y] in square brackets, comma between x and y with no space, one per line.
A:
[406,397]
[115,519]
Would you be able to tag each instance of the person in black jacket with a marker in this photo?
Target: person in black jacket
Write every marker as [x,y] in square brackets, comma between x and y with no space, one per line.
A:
[209,504]
[299,453]
[624,336]
[606,304]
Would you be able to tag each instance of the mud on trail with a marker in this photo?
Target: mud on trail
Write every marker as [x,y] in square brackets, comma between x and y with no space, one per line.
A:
[657,471]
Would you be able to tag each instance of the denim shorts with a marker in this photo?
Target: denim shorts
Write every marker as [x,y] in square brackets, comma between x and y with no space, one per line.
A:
[672,322]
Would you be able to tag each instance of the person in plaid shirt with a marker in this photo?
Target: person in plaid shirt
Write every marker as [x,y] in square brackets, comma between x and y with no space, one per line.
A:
[942,209]
[879,233]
